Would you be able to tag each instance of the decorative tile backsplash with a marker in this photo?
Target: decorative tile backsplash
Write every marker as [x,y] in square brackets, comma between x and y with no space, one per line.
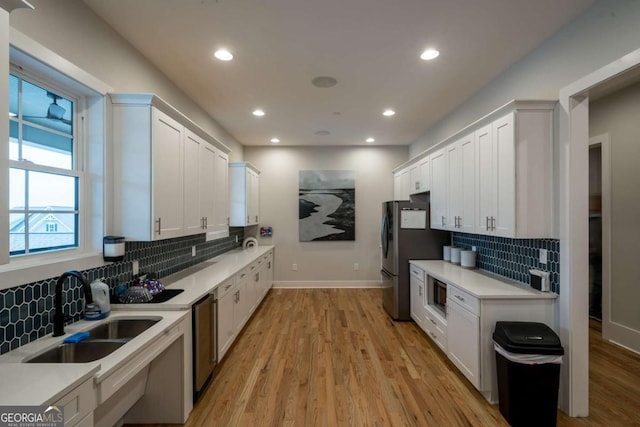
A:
[26,311]
[513,258]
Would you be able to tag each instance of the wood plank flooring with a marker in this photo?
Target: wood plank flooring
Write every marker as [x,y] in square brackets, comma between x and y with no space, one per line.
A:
[332,357]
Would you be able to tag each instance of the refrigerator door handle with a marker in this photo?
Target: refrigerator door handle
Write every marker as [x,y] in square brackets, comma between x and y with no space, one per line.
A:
[385,274]
[384,236]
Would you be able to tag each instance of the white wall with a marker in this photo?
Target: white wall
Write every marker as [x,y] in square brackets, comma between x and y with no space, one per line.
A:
[606,32]
[73,31]
[324,263]
[617,115]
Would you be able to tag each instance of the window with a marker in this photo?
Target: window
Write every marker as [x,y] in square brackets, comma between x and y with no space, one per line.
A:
[44,176]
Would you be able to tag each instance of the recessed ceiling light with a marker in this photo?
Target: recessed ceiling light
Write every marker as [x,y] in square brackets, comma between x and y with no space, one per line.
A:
[388,113]
[324,81]
[223,55]
[322,133]
[275,140]
[429,54]
[258,112]
[370,140]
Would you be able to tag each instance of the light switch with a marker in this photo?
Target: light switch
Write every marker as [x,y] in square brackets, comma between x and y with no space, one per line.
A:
[543,256]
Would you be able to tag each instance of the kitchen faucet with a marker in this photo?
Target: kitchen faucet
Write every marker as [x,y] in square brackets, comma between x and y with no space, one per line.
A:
[58,316]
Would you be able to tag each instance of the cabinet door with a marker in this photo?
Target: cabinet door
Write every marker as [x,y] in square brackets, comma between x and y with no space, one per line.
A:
[417,300]
[425,174]
[439,190]
[397,186]
[221,192]
[414,179]
[255,197]
[454,186]
[485,179]
[467,220]
[463,341]
[208,196]
[503,136]
[167,173]
[226,327]
[193,183]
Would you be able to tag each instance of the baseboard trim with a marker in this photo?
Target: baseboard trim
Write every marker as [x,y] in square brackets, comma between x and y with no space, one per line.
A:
[328,284]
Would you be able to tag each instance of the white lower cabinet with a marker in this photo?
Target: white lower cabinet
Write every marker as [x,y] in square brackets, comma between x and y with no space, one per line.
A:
[239,297]
[78,405]
[416,288]
[463,333]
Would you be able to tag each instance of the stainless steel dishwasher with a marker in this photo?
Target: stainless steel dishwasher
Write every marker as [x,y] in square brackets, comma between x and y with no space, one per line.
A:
[205,318]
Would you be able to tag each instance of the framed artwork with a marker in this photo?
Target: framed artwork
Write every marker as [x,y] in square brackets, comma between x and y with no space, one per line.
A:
[327,205]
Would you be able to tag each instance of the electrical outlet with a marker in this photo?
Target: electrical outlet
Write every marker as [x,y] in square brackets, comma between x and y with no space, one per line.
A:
[294,267]
[356,266]
[543,256]
[474,249]
[193,251]
[135,266]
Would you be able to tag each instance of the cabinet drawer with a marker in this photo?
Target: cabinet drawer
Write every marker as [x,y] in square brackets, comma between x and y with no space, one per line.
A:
[225,287]
[465,299]
[437,336]
[416,272]
[435,321]
[79,403]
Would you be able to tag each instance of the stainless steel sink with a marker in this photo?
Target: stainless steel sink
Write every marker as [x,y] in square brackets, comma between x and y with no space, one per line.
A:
[82,352]
[121,329]
[103,340]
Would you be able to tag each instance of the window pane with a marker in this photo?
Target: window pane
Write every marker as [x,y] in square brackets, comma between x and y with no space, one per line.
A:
[16,189]
[52,192]
[46,148]
[14,154]
[16,233]
[13,96]
[42,236]
[46,108]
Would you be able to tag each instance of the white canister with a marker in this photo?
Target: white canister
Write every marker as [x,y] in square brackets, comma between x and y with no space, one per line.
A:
[468,259]
[100,293]
[446,253]
[455,255]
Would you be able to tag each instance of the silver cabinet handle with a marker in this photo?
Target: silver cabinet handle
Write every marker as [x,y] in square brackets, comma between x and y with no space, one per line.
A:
[433,335]
[419,291]
[256,218]
[247,218]
[159,222]
[443,220]
[417,185]
[227,287]
[487,223]
[227,220]
[206,222]
[493,223]
[432,321]
[460,298]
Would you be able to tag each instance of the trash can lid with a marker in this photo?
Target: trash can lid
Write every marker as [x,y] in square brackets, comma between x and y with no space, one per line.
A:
[527,338]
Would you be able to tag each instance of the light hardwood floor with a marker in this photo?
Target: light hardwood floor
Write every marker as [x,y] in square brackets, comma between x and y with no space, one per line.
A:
[328,357]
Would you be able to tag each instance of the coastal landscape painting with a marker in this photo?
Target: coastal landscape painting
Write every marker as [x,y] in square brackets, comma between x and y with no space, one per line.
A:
[327,205]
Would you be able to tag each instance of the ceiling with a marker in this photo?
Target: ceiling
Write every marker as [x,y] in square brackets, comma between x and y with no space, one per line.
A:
[371,47]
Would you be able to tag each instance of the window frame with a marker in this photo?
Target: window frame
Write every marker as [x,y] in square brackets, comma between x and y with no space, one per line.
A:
[76,171]
[39,60]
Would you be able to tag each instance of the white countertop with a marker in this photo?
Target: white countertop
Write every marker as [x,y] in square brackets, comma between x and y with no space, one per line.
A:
[40,384]
[201,279]
[478,283]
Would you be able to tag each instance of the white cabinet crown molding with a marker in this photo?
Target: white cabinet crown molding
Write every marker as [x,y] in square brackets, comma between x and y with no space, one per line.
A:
[155,101]
[482,121]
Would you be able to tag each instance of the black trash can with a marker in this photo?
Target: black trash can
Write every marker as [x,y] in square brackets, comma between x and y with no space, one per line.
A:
[528,359]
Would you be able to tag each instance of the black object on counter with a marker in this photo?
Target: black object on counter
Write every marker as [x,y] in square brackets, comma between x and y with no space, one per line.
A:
[163,296]
[528,370]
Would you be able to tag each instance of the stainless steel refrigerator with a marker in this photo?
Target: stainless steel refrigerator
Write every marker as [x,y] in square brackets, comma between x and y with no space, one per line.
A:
[405,235]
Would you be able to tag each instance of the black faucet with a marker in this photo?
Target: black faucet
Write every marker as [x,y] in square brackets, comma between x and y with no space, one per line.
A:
[58,316]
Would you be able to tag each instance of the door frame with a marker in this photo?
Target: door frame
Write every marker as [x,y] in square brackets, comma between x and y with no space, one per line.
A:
[573,191]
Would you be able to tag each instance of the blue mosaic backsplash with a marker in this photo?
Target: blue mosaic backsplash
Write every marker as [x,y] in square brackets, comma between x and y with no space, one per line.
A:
[26,311]
[513,258]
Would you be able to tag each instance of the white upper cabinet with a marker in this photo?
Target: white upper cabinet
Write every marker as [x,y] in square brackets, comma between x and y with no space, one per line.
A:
[244,194]
[401,184]
[220,223]
[439,189]
[497,179]
[164,164]
[412,179]
[515,173]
